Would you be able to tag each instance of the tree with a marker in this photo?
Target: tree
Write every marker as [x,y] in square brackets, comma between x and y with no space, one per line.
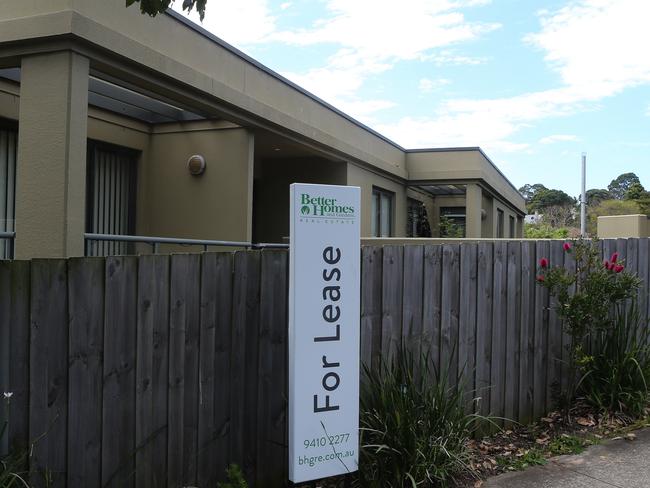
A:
[558,216]
[545,198]
[528,191]
[644,203]
[597,195]
[620,186]
[155,7]
[609,207]
[635,192]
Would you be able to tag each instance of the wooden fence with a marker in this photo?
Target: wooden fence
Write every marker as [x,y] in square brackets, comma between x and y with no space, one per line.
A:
[156,371]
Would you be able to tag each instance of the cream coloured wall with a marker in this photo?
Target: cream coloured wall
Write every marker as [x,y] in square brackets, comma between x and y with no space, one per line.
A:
[615,226]
[366,180]
[216,205]
[461,164]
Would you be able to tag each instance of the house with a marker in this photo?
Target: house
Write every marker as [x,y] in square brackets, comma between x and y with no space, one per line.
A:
[114,123]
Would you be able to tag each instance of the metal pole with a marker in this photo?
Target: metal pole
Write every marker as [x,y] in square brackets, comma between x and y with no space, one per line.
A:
[583,199]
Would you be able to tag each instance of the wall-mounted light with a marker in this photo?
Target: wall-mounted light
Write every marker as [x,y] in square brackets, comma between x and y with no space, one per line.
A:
[196,165]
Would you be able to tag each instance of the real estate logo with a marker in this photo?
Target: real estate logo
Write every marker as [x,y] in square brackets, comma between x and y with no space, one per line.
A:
[324,207]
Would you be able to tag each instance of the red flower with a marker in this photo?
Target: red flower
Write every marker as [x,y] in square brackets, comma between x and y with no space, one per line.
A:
[618,268]
[543,263]
[540,278]
[566,246]
[614,257]
[606,264]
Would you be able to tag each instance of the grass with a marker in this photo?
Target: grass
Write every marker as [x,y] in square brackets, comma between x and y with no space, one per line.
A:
[532,457]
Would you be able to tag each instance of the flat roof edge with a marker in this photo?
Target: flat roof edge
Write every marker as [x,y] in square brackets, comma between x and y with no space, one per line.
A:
[468,149]
[245,57]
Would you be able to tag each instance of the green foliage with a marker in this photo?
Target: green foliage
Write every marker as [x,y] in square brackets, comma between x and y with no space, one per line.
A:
[566,444]
[597,195]
[590,299]
[635,192]
[615,373]
[585,296]
[155,7]
[12,472]
[622,184]
[414,425]
[549,198]
[544,231]
[235,478]
[644,203]
[532,457]
[609,207]
[448,228]
[528,191]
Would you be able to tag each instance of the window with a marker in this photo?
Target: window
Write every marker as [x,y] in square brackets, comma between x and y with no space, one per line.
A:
[382,213]
[417,224]
[8,143]
[110,190]
[500,223]
[452,222]
[512,227]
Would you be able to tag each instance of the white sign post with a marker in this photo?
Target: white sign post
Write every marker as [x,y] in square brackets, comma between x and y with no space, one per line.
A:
[324,295]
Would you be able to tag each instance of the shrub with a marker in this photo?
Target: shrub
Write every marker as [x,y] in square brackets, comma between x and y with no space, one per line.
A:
[235,478]
[414,425]
[11,467]
[596,302]
[615,374]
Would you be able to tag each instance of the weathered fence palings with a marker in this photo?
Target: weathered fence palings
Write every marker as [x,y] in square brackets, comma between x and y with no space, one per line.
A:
[161,370]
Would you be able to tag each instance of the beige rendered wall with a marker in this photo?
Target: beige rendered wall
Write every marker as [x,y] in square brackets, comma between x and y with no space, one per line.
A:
[366,180]
[454,165]
[615,226]
[215,205]
[271,191]
[167,46]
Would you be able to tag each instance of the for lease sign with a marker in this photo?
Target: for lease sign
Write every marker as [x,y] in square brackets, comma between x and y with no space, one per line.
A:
[324,331]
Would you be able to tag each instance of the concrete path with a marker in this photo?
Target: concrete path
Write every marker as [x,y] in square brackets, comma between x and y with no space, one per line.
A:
[620,463]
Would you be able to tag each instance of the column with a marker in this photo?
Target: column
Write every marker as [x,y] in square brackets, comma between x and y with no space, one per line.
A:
[473,203]
[51,166]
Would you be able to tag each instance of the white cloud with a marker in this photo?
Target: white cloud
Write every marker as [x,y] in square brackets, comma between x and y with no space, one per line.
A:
[450,58]
[371,36]
[426,85]
[598,48]
[285,5]
[558,138]
[241,22]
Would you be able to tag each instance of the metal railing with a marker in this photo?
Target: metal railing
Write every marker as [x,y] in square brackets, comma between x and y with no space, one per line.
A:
[155,242]
[7,252]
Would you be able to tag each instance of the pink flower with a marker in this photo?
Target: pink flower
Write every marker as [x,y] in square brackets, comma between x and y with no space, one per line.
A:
[606,264]
[614,257]
[540,278]
[566,246]
[618,268]
[543,263]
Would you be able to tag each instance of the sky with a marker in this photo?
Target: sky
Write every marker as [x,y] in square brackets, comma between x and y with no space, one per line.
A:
[533,83]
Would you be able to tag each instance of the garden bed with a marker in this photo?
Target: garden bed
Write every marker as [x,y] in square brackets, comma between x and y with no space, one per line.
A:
[520,447]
